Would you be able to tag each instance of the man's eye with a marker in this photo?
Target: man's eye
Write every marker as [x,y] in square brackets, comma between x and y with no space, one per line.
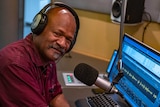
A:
[56,34]
[69,40]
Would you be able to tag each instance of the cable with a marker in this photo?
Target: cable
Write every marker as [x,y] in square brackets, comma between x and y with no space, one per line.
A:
[150,20]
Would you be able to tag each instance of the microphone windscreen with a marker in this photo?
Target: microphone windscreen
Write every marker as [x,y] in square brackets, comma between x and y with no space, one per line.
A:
[86,74]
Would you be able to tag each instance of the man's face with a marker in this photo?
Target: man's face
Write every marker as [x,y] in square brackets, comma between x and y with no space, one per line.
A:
[57,36]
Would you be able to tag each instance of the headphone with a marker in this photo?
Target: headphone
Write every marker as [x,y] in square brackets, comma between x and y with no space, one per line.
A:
[40,20]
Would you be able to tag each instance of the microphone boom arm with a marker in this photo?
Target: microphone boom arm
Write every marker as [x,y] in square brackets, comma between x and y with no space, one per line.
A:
[120,63]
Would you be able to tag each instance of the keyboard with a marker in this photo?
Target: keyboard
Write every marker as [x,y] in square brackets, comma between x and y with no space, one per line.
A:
[101,100]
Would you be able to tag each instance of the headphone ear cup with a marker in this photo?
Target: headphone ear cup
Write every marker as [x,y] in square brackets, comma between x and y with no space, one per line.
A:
[39,23]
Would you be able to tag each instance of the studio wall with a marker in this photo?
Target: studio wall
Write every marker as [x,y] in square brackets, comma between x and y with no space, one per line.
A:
[8,22]
[11,21]
[104,6]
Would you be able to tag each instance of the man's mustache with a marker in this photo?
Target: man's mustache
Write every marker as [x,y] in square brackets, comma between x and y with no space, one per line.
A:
[61,50]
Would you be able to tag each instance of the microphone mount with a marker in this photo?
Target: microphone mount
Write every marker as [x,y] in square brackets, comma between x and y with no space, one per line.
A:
[120,63]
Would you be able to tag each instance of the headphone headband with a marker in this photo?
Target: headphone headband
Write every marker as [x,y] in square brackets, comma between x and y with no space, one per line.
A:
[40,20]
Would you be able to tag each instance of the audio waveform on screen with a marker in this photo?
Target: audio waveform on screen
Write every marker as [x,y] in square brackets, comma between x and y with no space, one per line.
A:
[141,84]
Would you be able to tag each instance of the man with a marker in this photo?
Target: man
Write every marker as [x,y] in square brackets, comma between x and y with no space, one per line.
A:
[28,75]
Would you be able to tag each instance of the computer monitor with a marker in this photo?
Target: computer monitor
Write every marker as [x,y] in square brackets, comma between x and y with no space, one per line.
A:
[112,59]
[140,85]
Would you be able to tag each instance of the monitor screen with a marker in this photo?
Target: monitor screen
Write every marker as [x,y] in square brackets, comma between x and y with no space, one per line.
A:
[141,68]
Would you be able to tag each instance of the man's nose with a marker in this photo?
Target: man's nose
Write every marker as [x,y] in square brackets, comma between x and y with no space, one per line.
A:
[62,41]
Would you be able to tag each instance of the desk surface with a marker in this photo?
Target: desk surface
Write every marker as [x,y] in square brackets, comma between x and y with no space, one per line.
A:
[73,94]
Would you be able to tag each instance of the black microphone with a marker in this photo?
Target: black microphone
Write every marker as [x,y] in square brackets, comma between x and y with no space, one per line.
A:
[89,76]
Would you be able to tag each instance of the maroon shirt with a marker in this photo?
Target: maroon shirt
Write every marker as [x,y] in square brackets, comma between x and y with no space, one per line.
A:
[24,81]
